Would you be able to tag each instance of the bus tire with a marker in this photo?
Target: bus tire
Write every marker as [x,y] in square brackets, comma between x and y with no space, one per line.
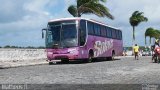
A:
[90,56]
[65,61]
[50,63]
[158,61]
[113,55]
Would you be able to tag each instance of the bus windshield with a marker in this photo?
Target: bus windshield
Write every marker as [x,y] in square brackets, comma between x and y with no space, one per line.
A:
[61,35]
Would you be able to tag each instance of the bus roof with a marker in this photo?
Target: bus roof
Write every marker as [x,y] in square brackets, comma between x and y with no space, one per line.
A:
[79,18]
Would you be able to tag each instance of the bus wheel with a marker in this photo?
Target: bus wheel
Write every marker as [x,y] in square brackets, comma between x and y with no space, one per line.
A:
[65,61]
[90,56]
[113,56]
[50,63]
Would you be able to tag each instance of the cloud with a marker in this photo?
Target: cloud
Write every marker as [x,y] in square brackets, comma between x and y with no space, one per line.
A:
[123,9]
[25,23]
[22,20]
[23,27]
[11,10]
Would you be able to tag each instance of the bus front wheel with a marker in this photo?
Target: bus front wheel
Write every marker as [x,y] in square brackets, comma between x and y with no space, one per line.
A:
[65,61]
[50,63]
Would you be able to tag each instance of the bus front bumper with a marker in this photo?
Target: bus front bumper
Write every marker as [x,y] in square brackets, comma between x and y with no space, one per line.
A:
[59,57]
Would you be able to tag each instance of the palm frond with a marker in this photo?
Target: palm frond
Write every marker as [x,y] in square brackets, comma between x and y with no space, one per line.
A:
[72,10]
[95,8]
[137,17]
[90,7]
[105,11]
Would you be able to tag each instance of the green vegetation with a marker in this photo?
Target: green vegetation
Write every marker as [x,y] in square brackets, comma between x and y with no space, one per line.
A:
[90,7]
[140,47]
[151,33]
[136,18]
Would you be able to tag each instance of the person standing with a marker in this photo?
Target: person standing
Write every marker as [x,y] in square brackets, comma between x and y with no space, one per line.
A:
[136,50]
[157,42]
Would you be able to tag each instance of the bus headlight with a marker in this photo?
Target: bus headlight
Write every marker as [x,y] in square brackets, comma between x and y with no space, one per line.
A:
[72,51]
[50,53]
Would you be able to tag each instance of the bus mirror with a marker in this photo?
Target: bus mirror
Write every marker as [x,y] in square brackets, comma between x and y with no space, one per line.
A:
[43,33]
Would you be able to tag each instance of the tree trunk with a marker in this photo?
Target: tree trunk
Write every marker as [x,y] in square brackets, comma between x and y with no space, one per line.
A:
[133,35]
[78,13]
[145,41]
[150,41]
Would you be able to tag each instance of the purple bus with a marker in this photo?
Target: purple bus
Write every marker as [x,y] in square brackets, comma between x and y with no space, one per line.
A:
[70,39]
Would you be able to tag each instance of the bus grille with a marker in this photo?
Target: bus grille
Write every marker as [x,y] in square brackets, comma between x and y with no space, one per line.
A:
[61,57]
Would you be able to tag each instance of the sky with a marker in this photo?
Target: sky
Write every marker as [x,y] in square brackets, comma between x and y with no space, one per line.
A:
[21,21]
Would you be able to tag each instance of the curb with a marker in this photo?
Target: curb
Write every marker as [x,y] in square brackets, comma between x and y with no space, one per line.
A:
[21,65]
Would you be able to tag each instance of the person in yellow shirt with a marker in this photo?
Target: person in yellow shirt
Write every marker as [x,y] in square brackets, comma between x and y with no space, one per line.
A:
[156,40]
[136,50]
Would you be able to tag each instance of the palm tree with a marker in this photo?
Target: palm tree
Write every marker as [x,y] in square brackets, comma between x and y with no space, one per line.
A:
[150,32]
[136,18]
[157,34]
[90,7]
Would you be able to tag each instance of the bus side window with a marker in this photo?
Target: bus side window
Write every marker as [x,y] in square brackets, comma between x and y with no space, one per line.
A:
[90,28]
[106,32]
[113,33]
[103,31]
[97,29]
[120,35]
[109,32]
[82,31]
[117,34]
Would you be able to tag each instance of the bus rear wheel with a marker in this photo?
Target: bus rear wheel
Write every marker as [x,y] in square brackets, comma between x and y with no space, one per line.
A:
[113,56]
[90,56]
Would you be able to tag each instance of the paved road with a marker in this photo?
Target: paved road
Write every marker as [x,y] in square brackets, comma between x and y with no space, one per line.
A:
[121,71]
